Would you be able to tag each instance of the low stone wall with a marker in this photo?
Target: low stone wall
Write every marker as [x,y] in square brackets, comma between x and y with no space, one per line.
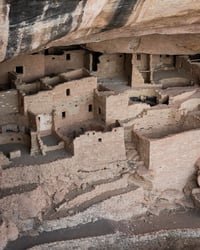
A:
[118,108]
[168,159]
[12,127]
[11,137]
[143,146]
[158,117]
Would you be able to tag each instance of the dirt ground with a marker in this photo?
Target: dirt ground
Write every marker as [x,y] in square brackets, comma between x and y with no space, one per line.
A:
[149,224]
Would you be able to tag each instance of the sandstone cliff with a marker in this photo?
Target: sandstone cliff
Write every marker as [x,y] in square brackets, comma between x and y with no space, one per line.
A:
[28,26]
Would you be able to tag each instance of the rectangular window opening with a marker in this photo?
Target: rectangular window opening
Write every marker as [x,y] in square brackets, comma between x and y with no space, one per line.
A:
[19,69]
[67,92]
[68,57]
[63,115]
[99,110]
[90,108]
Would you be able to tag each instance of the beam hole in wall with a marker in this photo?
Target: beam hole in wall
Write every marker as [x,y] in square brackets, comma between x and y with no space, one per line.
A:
[63,115]
[67,92]
[19,69]
[12,139]
[90,108]
[68,57]
[38,118]
[53,58]
[99,140]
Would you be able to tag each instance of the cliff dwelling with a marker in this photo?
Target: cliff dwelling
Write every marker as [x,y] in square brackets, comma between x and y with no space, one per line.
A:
[99,125]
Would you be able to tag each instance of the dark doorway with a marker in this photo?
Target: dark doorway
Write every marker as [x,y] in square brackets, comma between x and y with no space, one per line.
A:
[128,68]
[95,60]
[147,74]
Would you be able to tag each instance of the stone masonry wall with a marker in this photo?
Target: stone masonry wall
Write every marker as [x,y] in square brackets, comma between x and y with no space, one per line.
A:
[143,146]
[110,65]
[33,67]
[45,101]
[170,163]
[118,108]
[8,102]
[140,69]
[20,138]
[55,64]
[191,68]
[137,78]
[157,118]
[100,105]
[71,113]
[100,147]
[74,108]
